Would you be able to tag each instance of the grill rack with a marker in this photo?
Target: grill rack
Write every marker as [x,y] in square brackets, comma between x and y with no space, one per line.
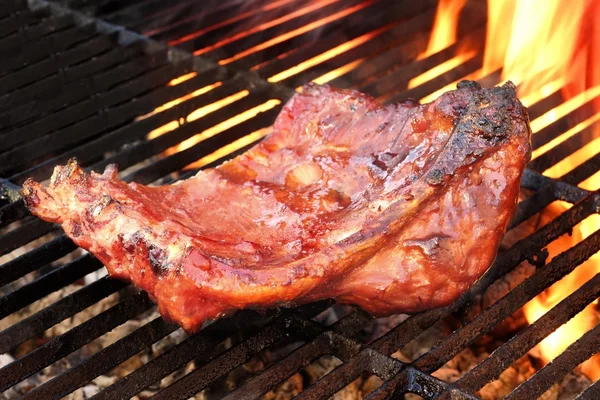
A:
[111,77]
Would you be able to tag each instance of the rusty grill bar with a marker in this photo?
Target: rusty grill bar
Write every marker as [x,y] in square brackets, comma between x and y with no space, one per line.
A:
[75,83]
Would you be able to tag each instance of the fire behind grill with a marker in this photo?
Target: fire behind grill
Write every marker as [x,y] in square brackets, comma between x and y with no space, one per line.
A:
[72,85]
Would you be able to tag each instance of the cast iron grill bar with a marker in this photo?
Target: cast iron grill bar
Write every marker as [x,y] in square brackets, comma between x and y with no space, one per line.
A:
[591,393]
[39,70]
[228,50]
[39,49]
[103,361]
[96,47]
[563,124]
[321,342]
[576,353]
[277,58]
[56,312]
[364,50]
[111,117]
[36,31]
[96,92]
[492,366]
[191,348]
[147,149]
[30,229]
[583,171]
[150,22]
[559,267]
[47,284]
[11,6]
[70,341]
[32,260]
[39,90]
[19,19]
[220,24]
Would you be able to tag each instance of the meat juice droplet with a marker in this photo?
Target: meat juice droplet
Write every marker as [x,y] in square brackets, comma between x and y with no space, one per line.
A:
[199,261]
[420,125]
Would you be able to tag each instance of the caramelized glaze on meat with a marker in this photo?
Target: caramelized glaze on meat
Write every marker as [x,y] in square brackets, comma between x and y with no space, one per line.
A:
[396,209]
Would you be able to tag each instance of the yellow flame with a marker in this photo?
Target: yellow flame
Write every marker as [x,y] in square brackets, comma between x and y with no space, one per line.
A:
[325,56]
[444,29]
[230,148]
[182,78]
[563,109]
[180,100]
[441,69]
[210,132]
[293,33]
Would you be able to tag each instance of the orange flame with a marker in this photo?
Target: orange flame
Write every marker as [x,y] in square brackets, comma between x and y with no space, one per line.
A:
[445,26]
[541,48]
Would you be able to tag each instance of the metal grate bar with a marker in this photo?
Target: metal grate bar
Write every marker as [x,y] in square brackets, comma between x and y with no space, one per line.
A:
[200,378]
[156,18]
[103,361]
[53,314]
[330,35]
[513,301]
[591,393]
[11,6]
[36,31]
[230,49]
[39,90]
[218,25]
[57,140]
[41,69]
[35,258]
[18,20]
[137,130]
[533,205]
[432,85]
[563,149]
[583,171]
[99,101]
[42,48]
[563,124]
[196,345]
[546,104]
[27,232]
[70,341]
[321,343]
[581,350]
[179,160]
[492,366]
[47,284]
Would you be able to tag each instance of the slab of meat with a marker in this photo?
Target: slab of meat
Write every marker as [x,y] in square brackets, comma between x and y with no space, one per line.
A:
[395,209]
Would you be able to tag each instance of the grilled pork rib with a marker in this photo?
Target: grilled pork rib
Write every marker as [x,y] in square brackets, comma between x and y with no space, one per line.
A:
[395,209]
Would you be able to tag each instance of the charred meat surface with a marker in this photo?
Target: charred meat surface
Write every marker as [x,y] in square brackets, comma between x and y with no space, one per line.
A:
[395,209]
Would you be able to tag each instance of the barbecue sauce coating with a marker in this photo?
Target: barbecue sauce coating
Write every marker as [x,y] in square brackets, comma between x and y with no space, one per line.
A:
[395,209]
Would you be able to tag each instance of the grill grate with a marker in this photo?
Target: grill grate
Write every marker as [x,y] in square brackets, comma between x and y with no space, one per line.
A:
[79,86]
